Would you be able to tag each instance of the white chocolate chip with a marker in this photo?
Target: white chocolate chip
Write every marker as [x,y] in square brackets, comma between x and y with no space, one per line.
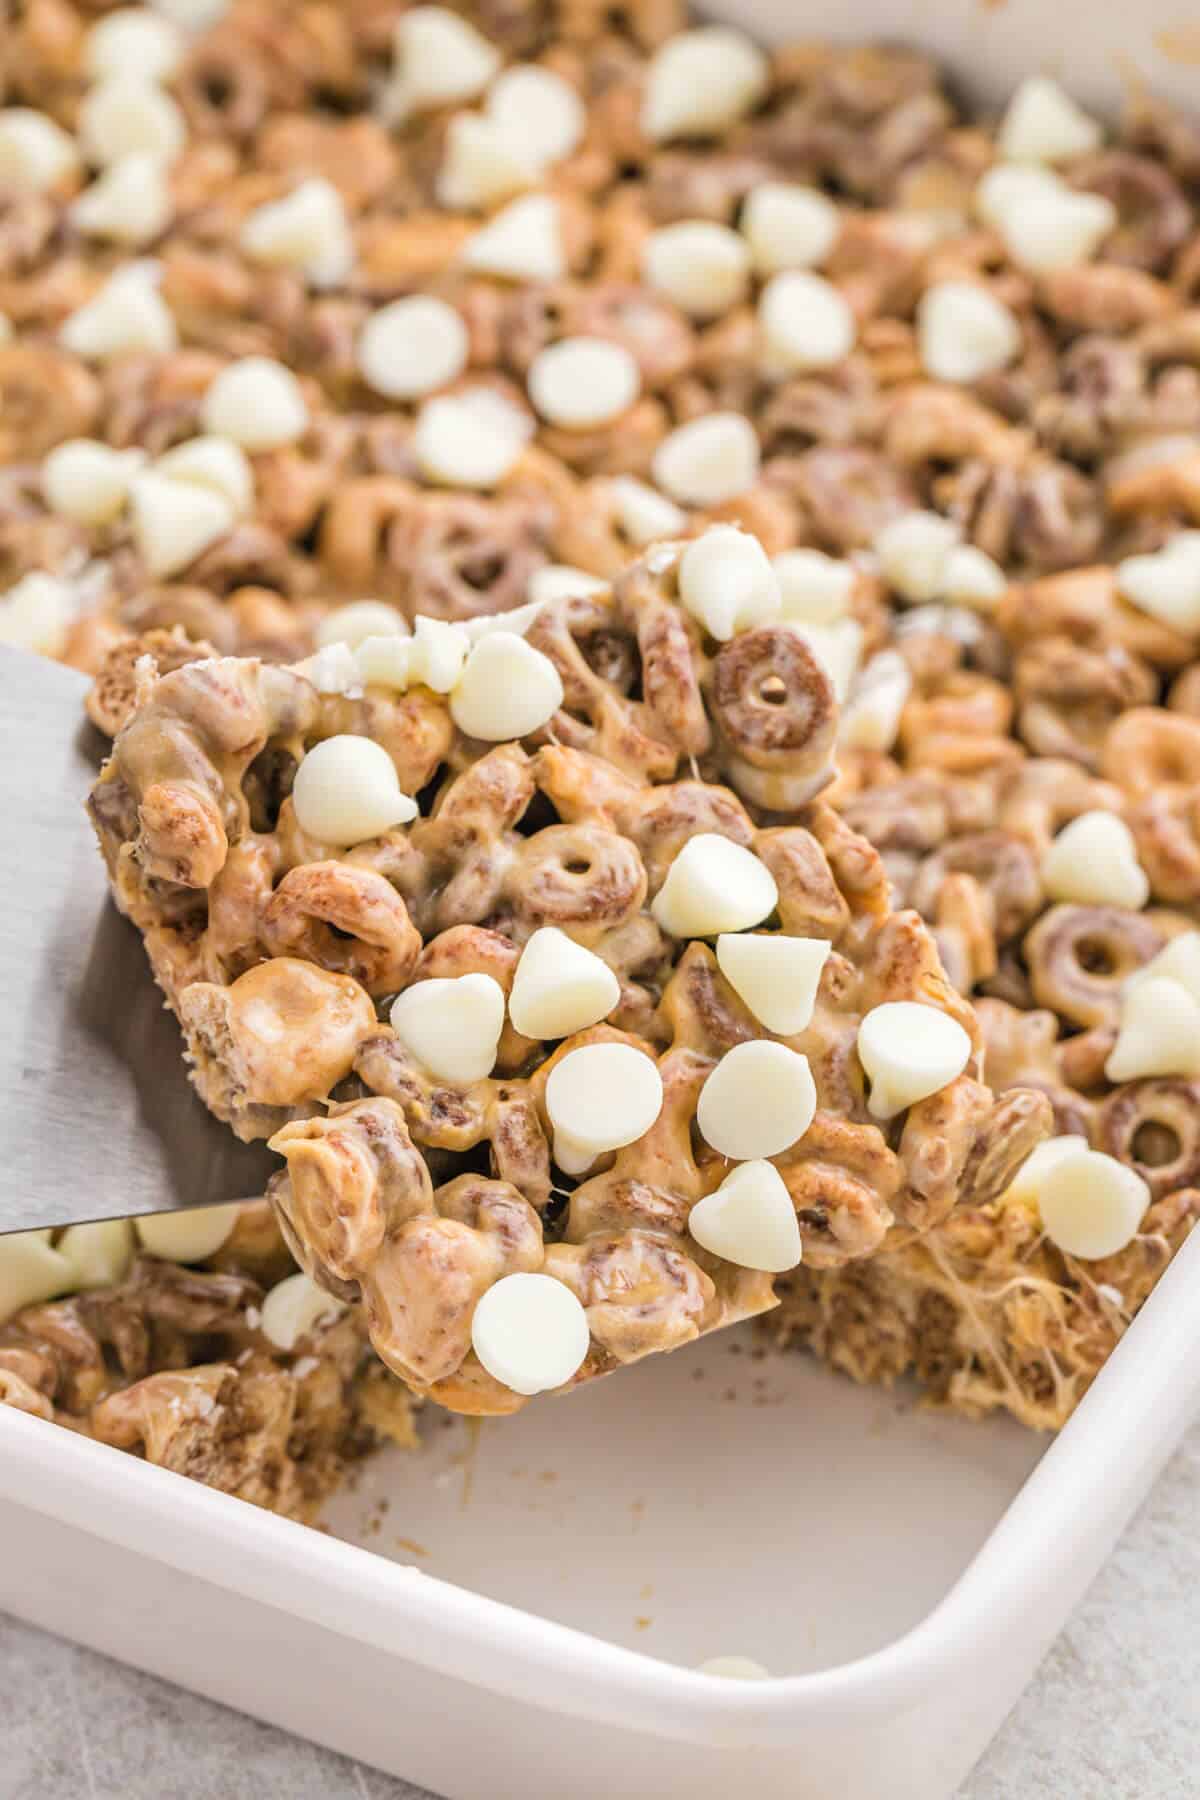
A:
[1093,862]
[871,717]
[452,1026]
[346,791]
[192,15]
[523,242]
[215,463]
[749,1220]
[385,661]
[599,1098]
[581,382]
[412,346]
[360,620]
[971,578]
[709,460]
[530,1332]
[35,614]
[1180,960]
[519,618]
[127,314]
[439,650]
[805,322]
[788,226]
[1159,1032]
[470,439]
[714,885]
[727,582]
[701,82]
[913,551]
[295,1308]
[31,1272]
[642,515]
[307,231]
[560,987]
[1166,583]
[174,522]
[130,202]
[1044,223]
[333,669]
[134,43]
[837,647]
[757,1102]
[506,690]
[98,1254]
[1091,1205]
[35,152]
[88,481]
[1044,125]
[1025,1186]
[558,581]
[189,1236]
[815,589]
[481,165]
[129,116]
[538,111]
[734,1668]
[258,403]
[439,59]
[964,332]
[702,267]
[775,975]
[909,1051]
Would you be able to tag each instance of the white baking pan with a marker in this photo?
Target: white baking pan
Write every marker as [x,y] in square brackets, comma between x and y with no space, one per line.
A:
[517,1612]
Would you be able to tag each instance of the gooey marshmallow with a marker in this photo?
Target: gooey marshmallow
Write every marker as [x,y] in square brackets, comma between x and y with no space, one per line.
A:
[805,322]
[964,332]
[757,1102]
[776,976]
[189,1236]
[701,82]
[88,481]
[727,582]
[506,690]
[1044,223]
[531,1332]
[1166,583]
[707,461]
[583,381]
[702,267]
[749,1220]
[1093,862]
[600,1098]
[1044,125]
[523,242]
[128,313]
[560,987]
[909,1051]
[788,226]
[258,403]
[295,1308]
[1159,1031]
[1091,1205]
[452,1026]
[307,231]
[174,522]
[346,791]
[714,885]
[412,346]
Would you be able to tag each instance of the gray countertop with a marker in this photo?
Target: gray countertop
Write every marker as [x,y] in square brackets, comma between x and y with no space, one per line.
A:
[1114,1710]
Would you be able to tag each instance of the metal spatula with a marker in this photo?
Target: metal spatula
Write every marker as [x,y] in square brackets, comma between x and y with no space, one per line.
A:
[97,1119]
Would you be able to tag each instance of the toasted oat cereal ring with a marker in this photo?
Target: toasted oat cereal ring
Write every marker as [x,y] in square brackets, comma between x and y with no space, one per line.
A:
[1166,829]
[1149,748]
[1005,867]
[1079,956]
[774,706]
[350,920]
[1154,1127]
[579,876]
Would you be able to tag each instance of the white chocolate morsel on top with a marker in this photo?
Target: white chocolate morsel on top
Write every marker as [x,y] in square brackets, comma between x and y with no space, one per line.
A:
[452,1026]
[714,885]
[642,514]
[386,661]
[127,314]
[31,1272]
[188,1236]
[360,620]
[701,82]
[530,1332]
[215,463]
[537,110]
[837,647]
[192,15]
[98,1254]
[758,1101]
[909,1051]
[599,1098]
[1044,125]
[709,460]
[412,346]
[439,59]
[482,165]
[258,403]
[734,1668]
[913,551]
[970,577]
[788,226]
[805,322]
[307,231]
[523,242]
[965,332]
[583,381]
[88,481]
[559,581]
[519,618]
[470,439]
[35,152]
[871,716]
[560,987]
[1166,582]
[1180,960]
[133,42]
[814,588]
[506,690]
[439,650]
[130,202]
[775,975]
[1091,1204]
[702,267]
[727,582]
[346,791]
[1045,224]
[1159,1031]
[749,1220]
[1026,1184]
[332,669]
[1093,862]
[295,1308]
[174,522]
[35,614]
[126,115]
